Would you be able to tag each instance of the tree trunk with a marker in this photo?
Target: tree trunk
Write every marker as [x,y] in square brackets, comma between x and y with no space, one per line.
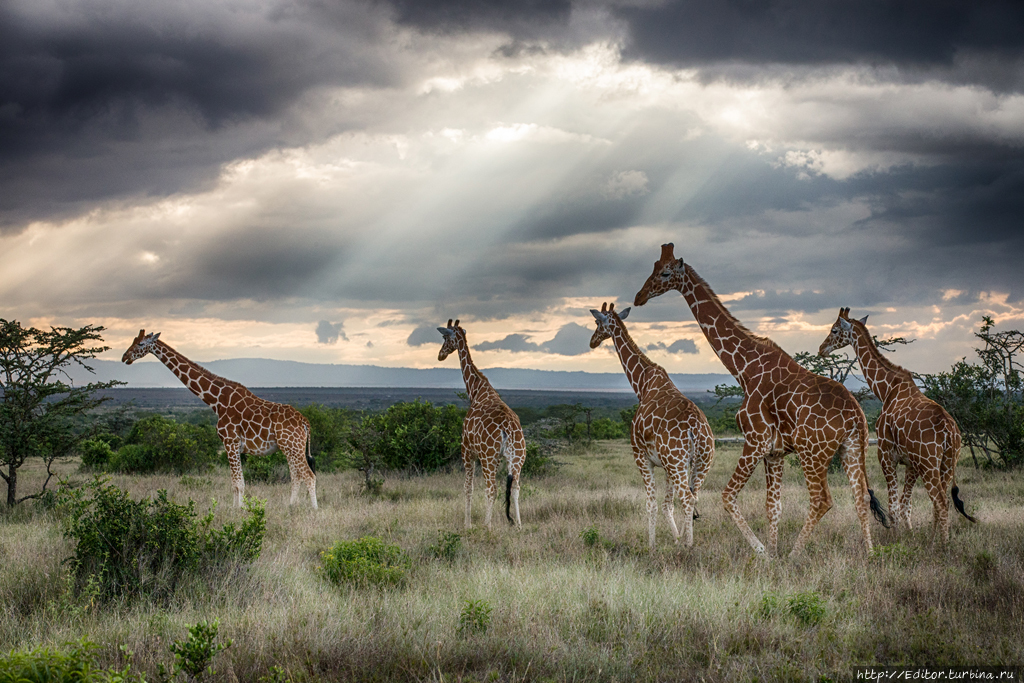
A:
[12,485]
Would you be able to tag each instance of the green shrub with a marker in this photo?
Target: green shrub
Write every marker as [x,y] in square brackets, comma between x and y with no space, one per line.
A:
[417,435]
[145,548]
[769,605]
[537,462]
[367,561]
[158,444]
[95,453]
[193,655]
[45,665]
[330,429]
[606,428]
[448,545]
[590,536]
[475,617]
[808,608]
[268,469]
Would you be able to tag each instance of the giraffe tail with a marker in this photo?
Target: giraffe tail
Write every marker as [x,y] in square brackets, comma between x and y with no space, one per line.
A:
[506,443]
[959,504]
[877,511]
[873,504]
[309,450]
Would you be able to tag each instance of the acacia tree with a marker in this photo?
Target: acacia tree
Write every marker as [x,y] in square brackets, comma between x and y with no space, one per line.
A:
[37,407]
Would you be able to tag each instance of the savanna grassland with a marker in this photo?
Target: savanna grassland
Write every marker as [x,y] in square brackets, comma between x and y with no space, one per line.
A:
[573,596]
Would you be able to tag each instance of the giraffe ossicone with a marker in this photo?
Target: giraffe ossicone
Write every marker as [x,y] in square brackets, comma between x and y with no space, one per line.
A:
[246,423]
[785,409]
[912,429]
[668,430]
[490,431]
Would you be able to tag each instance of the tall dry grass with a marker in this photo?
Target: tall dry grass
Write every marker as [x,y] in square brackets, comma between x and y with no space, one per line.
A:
[562,609]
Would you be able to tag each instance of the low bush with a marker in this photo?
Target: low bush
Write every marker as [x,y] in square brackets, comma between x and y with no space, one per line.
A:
[77,664]
[158,444]
[126,548]
[95,453]
[193,655]
[474,618]
[331,429]
[367,561]
[538,461]
[417,435]
[268,469]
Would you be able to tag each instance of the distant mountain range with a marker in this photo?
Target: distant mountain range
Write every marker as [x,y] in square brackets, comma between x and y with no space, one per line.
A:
[261,372]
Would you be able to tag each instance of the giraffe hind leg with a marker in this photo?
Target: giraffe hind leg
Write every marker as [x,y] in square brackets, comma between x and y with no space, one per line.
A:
[744,468]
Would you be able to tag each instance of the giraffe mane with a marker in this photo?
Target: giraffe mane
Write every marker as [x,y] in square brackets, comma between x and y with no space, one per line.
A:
[880,355]
[764,341]
[210,375]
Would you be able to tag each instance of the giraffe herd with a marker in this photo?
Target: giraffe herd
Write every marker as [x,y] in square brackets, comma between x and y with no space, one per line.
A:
[786,409]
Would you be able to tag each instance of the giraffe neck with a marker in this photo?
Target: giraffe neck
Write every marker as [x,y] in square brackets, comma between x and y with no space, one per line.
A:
[633,360]
[192,375]
[477,385]
[734,344]
[884,377]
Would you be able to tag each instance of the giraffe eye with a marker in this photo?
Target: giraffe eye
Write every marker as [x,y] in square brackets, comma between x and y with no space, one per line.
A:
[665,275]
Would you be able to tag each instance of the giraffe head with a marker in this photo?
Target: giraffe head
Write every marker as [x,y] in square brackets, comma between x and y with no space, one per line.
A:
[451,336]
[669,273]
[841,333]
[142,345]
[606,319]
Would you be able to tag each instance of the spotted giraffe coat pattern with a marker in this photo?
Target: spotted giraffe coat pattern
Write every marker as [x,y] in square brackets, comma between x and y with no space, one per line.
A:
[912,429]
[785,409]
[490,431]
[668,430]
[246,423]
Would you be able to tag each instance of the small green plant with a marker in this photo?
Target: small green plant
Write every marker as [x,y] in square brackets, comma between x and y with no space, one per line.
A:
[808,608]
[95,453]
[897,554]
[276,675]
[769,605]
[475,617]
[194,655]
[984,566]
[366,561]
[45,665]
[266,469]
[448,546]
[590,536]
[538,462]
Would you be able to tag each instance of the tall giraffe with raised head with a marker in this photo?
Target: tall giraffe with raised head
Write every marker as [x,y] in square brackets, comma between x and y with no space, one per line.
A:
[668,430]
[786,409]
[913,430]
[245,422]
[490,430]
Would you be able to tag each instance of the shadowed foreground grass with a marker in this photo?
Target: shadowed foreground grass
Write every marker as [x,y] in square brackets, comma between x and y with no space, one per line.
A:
[562,609]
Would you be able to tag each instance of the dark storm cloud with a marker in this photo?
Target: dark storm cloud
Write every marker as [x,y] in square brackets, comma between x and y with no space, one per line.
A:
[107,99]
[425,334]
[902,32]
[571,339]
[678,346]
[522,18]
[329,333]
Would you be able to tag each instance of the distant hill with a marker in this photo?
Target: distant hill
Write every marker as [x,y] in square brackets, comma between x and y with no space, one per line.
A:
[260,372]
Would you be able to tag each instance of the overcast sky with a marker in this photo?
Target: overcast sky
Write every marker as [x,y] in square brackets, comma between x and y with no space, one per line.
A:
[328,181]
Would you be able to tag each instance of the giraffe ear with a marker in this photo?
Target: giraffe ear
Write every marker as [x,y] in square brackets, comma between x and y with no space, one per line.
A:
[598,315]
[864,320]
[845,324]
[154,337]
[445,332]
[624,313]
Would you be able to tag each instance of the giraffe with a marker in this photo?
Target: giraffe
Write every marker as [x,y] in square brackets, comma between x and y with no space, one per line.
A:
[668,430]
[245,422]
[913,430]
[786,409]
[490,430]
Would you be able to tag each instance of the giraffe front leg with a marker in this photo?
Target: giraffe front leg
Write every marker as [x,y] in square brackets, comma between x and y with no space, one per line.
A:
[744,468]
[909,479]
[773,500]
[234,454]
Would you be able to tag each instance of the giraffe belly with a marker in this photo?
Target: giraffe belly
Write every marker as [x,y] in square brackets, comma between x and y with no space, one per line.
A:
[258,446]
